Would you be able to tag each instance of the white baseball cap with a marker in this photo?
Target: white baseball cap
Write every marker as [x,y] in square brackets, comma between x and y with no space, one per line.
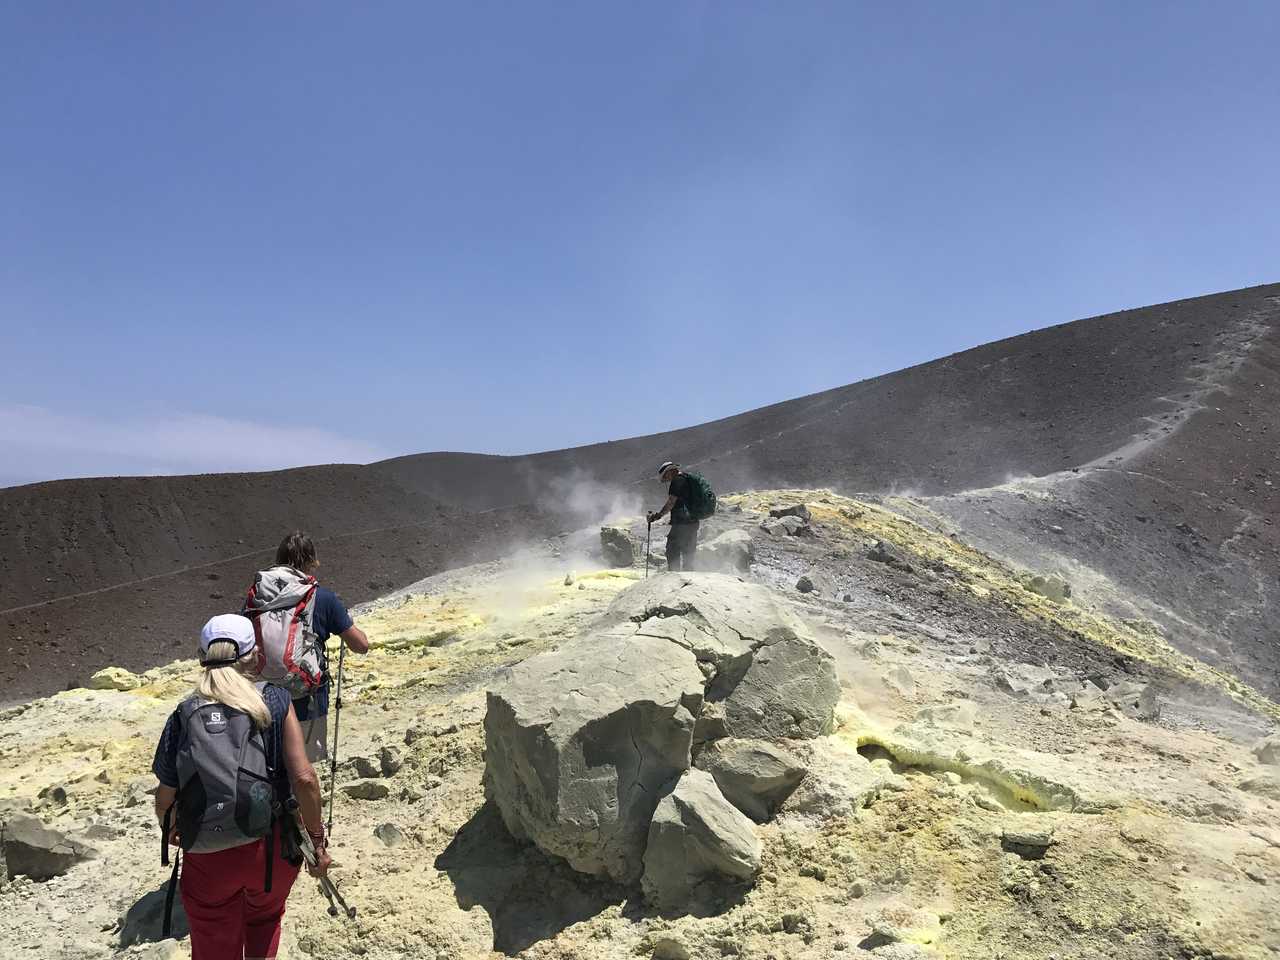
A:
[228,626]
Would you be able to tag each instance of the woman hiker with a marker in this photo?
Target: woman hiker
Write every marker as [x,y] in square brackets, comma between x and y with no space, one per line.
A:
[232,756]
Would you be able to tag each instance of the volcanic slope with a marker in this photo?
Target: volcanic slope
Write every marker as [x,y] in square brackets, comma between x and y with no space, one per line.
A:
[967,804]
[1143,440]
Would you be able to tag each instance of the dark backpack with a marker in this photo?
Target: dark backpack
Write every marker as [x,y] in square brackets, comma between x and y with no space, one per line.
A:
[701,502]
[225,792]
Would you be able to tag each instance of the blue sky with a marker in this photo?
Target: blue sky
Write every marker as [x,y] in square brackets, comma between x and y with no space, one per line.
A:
[514,227]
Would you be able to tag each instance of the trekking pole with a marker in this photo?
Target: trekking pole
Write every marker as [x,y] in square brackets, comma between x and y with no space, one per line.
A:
[337,722]
[648,535]
[328,886]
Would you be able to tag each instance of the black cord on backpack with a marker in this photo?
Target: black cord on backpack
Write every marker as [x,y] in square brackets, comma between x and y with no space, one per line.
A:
[167,928]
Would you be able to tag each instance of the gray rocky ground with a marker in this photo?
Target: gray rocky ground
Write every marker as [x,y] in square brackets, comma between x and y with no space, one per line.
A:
[1005,773]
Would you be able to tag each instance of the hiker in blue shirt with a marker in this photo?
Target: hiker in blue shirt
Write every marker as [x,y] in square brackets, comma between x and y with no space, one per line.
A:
[330,618]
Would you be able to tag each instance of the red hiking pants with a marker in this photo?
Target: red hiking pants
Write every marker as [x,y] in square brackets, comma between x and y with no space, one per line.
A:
[231,917]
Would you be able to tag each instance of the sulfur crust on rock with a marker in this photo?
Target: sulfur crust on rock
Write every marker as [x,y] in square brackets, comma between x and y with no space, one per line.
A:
[988,578]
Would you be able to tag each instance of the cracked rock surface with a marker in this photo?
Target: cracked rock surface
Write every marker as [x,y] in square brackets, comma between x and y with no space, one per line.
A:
[580,742]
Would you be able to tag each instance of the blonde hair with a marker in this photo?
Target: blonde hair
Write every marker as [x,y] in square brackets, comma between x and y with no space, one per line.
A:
[227,684]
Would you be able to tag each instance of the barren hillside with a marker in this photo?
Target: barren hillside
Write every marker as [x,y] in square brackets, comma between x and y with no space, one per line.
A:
[1154,428]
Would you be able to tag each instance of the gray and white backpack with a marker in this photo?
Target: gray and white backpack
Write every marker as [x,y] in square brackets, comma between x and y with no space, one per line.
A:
[281,603]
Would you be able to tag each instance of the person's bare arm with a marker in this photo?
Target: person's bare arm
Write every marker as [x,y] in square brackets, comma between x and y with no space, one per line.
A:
[306,788]
[667,507]
[355,639]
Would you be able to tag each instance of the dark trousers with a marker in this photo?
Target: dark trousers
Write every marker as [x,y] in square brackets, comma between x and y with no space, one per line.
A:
[682,544]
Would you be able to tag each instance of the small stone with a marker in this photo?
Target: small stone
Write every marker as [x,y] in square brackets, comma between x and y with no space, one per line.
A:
[140,791]
[668,948]
[389,834]
[365,767]
[889,554]
[390,761]
[1028,844]
[796,923]
[54,795]
[114,678]
[804,585]
[368,789]
[799,510]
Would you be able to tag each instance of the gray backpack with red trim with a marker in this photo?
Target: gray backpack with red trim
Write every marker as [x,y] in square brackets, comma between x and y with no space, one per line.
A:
[281,603]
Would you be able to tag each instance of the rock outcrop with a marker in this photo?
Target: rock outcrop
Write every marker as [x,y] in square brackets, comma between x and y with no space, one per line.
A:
[618,547]
[754,775]
[696,836]
[1267,750]
[799,510]
[39,852]
[1051,588]
[890,555]
[114,678]
[788,526]
[581,742]
[731,552]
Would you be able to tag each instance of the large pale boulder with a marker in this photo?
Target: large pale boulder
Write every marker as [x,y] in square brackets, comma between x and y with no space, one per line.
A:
[772,677]
[731,552]
[580,742]
[696,836]
[754,775]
